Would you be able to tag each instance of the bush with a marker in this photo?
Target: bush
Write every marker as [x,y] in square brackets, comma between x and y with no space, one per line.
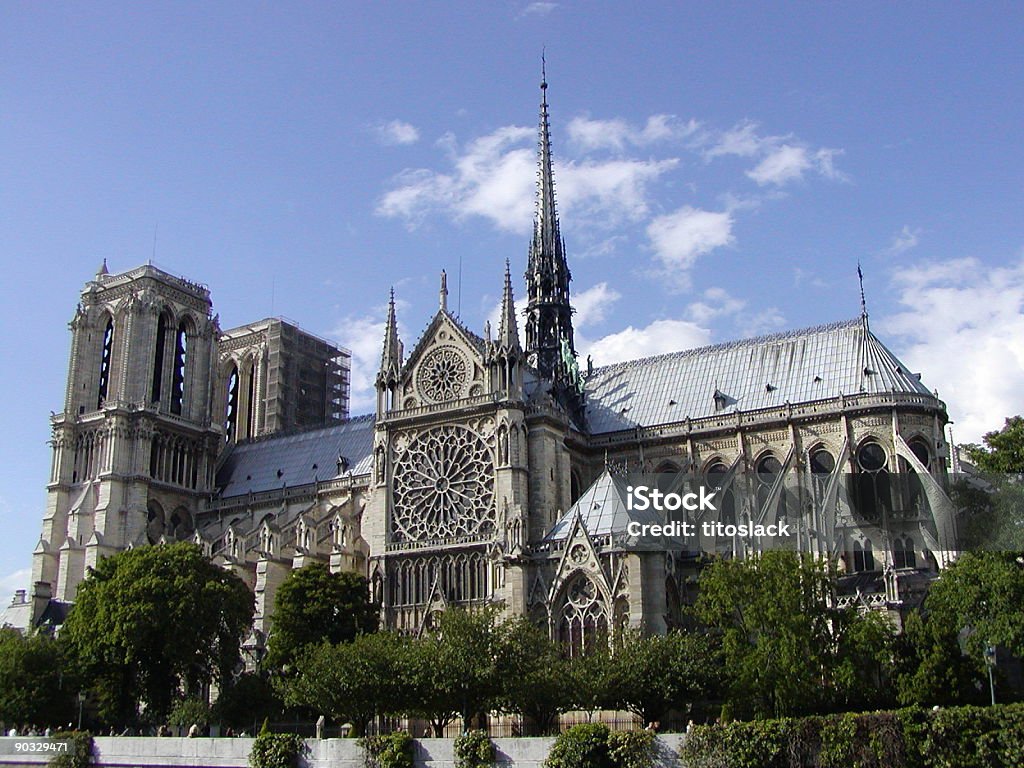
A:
[474,749]
[189,712]
[80,754]
[582,746]
[392,751]
[276,750]
[632,749]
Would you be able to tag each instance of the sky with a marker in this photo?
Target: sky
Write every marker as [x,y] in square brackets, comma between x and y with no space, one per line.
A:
[721,169]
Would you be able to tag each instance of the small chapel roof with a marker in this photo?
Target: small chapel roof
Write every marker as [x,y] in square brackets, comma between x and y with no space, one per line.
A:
[603,511]
[818,363]
[298,459]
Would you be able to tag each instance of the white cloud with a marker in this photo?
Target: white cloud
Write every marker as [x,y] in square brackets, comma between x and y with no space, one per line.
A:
[617,133]
[714,303]
[364,337]
[659,337]
[494,177]
[681,237]
[782,158]
[12,582]
[903,241]
[592,304]
[397,132]
[538,9]
[962,327]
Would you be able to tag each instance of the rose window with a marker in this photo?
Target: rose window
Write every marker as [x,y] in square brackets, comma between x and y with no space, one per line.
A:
[443,486]
[442,375]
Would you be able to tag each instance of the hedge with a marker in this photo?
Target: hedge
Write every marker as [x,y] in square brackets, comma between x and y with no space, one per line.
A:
[954,737]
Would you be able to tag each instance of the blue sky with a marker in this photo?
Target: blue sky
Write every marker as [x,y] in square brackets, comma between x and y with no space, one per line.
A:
[721,169]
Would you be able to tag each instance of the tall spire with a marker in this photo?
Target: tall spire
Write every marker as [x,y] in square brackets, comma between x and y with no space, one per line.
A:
[391,357]
[863,299]
[549,332]
[508,330]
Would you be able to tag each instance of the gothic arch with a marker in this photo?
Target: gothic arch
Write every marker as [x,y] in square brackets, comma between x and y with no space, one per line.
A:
[582,620]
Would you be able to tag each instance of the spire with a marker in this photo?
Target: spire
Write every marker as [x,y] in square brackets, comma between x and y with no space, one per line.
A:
[103,269]
[391,357]
[443,293]
[549,333]
[863,300]
[508,330]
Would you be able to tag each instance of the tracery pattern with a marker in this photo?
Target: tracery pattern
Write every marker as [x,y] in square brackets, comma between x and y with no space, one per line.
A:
[442,375]
[443,486]
[583,619]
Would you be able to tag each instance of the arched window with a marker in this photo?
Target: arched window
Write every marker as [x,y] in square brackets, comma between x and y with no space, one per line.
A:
[863,556]
[903,555]
[583,618]
[768,470]
[872,493]
[575,489]
[180,525]
[822,464]
[914,489]
[106,353]
[727,508]
[180,362]
[156,390]
[231,423]
[154,521]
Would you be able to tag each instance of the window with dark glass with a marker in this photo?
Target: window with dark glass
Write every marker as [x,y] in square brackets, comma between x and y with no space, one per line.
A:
[106,353]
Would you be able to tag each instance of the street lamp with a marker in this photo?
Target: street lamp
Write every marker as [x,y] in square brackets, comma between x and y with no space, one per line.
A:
[81,701]
[990,662]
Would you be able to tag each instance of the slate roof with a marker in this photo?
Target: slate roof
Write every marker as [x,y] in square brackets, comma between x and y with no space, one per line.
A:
[603,511]
[297,459]
[797,366]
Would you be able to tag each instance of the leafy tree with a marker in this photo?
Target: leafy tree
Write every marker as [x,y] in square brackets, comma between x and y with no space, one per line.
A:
[786,651]
[352,682]
[863,672]
[982,592]
[154,623]
[931,668]
[533,675]
[32,686]
[464,670]
[314,605]
[991,512]
[246,701]
[655,674]
[1003,452]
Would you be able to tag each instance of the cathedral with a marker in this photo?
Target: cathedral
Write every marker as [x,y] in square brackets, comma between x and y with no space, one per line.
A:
[492,471]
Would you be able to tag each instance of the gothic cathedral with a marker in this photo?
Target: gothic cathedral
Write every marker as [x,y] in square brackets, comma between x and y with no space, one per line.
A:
[491,470]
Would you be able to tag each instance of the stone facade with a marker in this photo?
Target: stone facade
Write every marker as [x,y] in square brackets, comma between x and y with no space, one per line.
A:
[489,472]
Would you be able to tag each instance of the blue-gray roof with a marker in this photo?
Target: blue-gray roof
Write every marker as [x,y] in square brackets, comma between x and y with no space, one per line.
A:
[297,459]
[602,509]
[797,366]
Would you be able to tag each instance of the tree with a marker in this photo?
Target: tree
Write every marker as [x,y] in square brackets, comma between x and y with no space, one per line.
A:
[313,606]
[1003,452]
[652,675]
[246,702]
[534,676]
[154,624]
[32,686]
[931,668]
[352,682]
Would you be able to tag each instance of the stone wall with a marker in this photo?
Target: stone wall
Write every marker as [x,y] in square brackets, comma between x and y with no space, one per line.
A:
[145,752]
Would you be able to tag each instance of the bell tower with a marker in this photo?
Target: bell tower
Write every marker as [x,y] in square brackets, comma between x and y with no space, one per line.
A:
[134,449]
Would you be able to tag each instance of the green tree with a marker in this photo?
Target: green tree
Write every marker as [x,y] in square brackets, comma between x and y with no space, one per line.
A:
[1003,452]
[931,668]
[246,701]
[777,640]
[652,675]
[534,675]
[32,686]
[351,682]
[313,605]
[153,624]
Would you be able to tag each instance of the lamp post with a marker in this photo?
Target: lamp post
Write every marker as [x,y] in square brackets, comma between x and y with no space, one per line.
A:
[81,701]
[990,662]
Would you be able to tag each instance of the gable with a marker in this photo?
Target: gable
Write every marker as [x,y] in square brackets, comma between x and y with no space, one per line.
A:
[446,365]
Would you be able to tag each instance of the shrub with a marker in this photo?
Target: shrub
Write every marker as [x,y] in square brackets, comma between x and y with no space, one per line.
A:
[582,746]
[392,751]
[474,749]
[632,749]
[80,754]
[276,750]
[189,712]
